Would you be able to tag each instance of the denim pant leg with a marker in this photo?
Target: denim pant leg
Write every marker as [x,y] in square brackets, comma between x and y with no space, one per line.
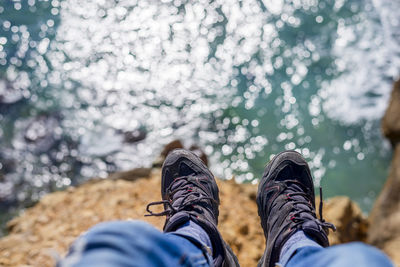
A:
[132,243]
[346,255]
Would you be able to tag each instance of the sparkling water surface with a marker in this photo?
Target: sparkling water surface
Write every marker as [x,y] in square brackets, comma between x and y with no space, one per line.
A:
[92,87]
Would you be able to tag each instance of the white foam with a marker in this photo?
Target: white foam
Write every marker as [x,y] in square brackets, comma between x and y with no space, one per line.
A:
[368,57]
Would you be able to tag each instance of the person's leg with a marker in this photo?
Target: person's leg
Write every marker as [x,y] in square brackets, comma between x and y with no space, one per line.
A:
[135,243]
[295,242]
[294,235]
[346,255]
[286,206]
[190,200]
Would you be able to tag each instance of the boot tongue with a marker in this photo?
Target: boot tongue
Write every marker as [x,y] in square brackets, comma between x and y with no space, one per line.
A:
[183,188]
[306,211]
[293,188]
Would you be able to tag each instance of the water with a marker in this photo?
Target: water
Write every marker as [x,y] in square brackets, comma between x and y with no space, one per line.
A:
[92,87]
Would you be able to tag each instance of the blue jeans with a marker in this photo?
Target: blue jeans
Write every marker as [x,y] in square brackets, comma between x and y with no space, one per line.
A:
[351,254]
[135,243]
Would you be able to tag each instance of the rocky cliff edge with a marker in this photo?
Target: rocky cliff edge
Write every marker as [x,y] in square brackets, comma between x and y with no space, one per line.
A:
[45,231]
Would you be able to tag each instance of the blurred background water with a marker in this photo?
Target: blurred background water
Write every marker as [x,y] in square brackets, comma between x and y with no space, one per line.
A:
[93,87]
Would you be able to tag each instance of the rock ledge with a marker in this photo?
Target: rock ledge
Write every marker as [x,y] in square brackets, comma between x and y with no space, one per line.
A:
[47,229]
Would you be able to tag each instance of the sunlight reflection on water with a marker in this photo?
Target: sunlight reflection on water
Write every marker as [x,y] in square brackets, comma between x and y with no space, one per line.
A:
[243,79]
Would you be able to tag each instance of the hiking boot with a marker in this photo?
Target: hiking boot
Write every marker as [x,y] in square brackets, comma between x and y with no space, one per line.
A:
[189,192]
[286,204]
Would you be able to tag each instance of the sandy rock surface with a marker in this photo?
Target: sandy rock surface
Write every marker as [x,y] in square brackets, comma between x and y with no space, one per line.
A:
[384,219]
[385,216]
[45,231]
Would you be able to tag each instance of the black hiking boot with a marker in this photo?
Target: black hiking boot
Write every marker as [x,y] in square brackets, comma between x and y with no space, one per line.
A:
[189,192]
[286,204]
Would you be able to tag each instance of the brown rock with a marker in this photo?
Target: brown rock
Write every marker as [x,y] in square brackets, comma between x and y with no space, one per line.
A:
[391,120]
[175,145]
[48,228]
[131,175]
[168,148]
[347,216]
[384,219]
[134,136]
[171,146]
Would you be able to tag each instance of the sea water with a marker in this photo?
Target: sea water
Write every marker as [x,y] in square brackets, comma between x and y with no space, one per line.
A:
[93,87]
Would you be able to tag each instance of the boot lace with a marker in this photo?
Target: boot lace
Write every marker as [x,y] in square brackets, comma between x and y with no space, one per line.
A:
[191,192]
[305,200]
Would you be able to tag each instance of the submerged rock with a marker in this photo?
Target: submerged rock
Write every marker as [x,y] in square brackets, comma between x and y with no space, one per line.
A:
[43,132]
[8,93]
[175,144]
[171,146]
[135,136]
